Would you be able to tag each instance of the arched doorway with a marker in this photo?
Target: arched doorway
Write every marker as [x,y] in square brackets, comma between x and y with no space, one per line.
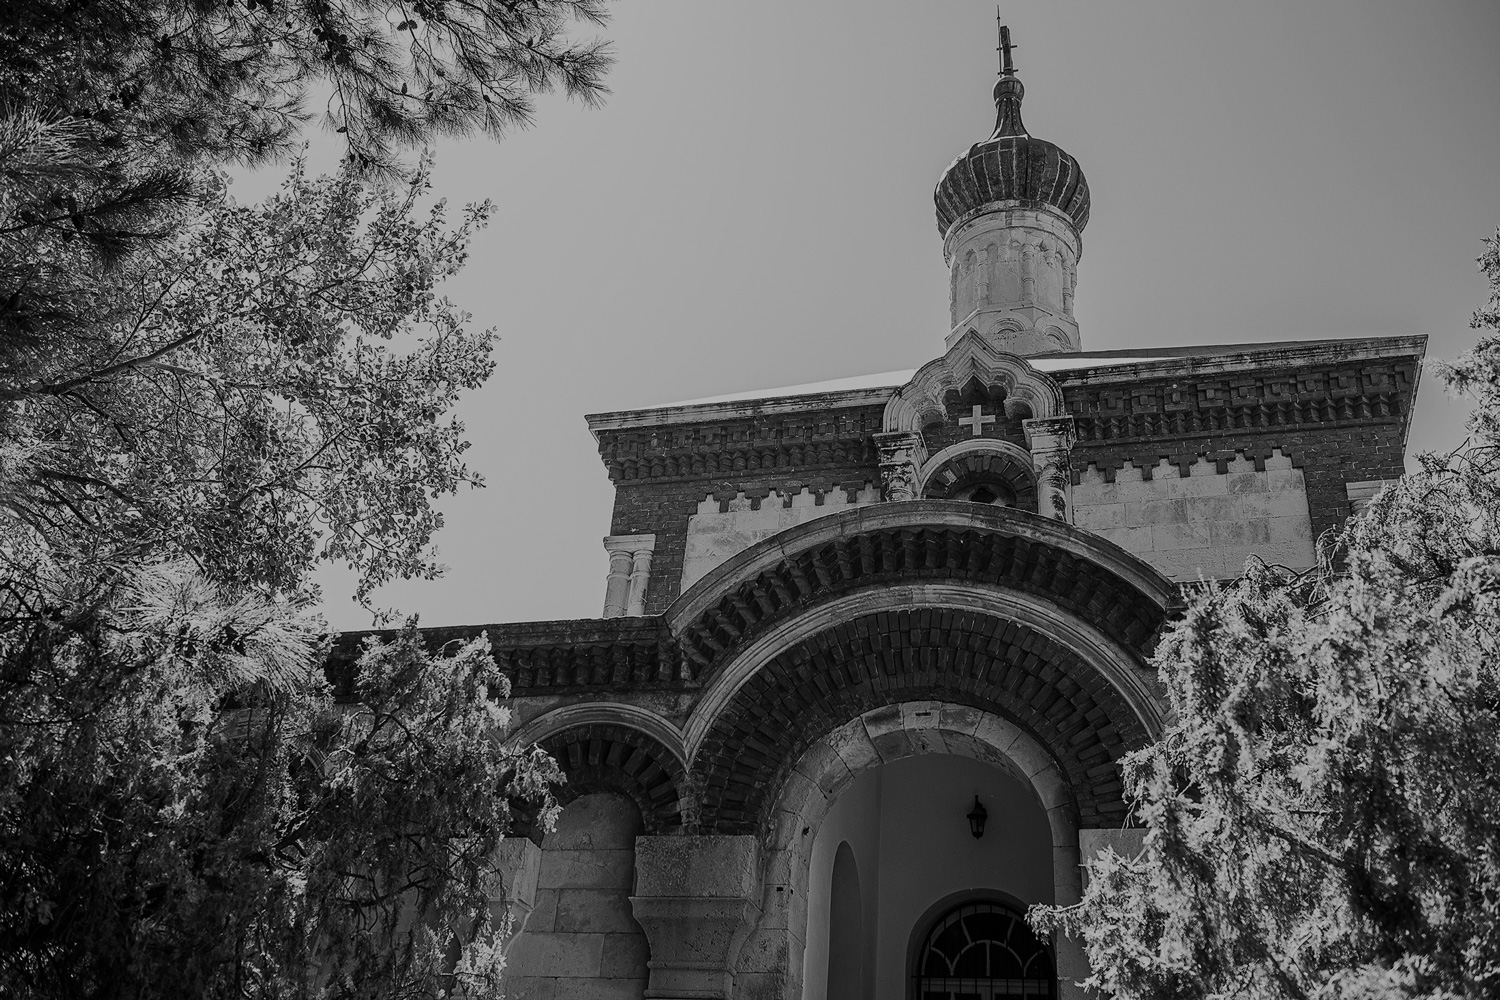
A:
[982,949]
[904,822]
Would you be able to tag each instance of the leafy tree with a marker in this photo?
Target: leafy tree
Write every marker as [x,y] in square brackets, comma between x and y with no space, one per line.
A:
[245,405]
[1321,813]
[157,845]
[111,106]
[185,809]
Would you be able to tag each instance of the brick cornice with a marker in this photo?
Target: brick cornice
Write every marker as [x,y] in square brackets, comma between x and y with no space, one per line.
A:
[636,653]
[1357,391]
[802,440]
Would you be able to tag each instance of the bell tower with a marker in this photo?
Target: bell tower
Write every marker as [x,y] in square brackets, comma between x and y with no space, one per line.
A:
[1012,210]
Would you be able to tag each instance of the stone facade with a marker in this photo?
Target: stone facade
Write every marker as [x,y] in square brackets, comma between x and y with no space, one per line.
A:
[1204,525]
[831,614]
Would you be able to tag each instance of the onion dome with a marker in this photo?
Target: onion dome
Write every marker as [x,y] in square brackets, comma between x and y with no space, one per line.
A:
[1012,166]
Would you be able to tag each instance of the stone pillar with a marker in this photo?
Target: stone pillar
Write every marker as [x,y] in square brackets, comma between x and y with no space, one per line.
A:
[1072,963]
[1051,441]
[519,862]
[1360,494]
[640,575]
[696,898]
[629,572]
[901,453]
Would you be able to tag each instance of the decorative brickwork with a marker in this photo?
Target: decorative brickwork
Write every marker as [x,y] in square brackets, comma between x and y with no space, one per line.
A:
[587,655]
[1243,401]
[1338,423]
[950,477]
[769,448]
[878,660]
[606,758]
[992,546]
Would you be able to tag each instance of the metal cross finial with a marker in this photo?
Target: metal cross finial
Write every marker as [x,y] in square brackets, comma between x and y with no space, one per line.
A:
[1007,68]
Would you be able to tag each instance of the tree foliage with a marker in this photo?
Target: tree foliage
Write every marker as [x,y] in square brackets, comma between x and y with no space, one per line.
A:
[159,844]
[184,808]
[1321,812]
[111,107]
[199,402]
[267,389]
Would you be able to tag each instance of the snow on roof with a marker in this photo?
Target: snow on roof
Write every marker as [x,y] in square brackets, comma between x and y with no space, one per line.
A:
[896,379]
[880,380]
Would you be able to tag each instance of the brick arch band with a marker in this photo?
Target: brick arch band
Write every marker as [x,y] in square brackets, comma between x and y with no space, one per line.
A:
[916,542]
[604,747]
[980,459]
[913,645]
[604,758]
[1004,611]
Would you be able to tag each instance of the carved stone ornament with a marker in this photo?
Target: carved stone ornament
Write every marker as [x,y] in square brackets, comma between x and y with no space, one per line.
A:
[1028,392]
[1051,441]
[901,454]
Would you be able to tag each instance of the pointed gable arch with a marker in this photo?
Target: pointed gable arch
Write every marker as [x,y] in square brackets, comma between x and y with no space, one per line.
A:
[1028,392]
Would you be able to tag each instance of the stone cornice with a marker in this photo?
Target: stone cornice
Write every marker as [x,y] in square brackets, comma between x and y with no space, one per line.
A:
[707,413]
[1248,358]
[763,446]
[1310,390]
[783,437]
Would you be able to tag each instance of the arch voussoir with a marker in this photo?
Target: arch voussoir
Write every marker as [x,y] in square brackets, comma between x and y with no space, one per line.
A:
[921,680]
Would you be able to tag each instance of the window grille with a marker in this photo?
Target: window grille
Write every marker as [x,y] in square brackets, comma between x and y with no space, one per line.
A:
[983,951]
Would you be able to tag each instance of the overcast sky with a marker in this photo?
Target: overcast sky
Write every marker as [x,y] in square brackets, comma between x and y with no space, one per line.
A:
[753,208]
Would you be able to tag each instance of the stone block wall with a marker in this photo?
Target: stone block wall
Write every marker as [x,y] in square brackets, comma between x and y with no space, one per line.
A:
[581,941]
[1205,523]
[723,528]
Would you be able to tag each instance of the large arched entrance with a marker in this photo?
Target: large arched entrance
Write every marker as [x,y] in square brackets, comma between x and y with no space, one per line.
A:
[1009,642]
[943,649]
[904,827]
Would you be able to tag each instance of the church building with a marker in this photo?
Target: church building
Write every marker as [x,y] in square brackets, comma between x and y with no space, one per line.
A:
[871,650]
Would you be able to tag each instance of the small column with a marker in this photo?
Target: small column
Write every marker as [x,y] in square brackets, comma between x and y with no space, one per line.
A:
[1051,440]
[901,453]
[1028,274]
[640,575]
[629,572]
[1360,494]
[696,900]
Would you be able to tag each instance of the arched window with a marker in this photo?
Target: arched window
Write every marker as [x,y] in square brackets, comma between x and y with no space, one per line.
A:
[983,951]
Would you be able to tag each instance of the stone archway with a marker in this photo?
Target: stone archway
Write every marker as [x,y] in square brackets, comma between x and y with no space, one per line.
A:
[904,628]
[771,959]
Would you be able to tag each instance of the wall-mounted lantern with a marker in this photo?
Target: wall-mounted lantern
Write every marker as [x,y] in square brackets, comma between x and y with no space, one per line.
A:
[977,816]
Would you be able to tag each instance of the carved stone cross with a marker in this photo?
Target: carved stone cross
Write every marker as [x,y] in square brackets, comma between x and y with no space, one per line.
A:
[976,422]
